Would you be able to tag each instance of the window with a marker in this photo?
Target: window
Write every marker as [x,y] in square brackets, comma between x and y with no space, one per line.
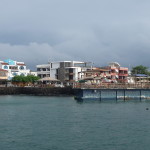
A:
[21,68]
[14,73]
[71,77]
[67,64]
[5,67]
[70,70]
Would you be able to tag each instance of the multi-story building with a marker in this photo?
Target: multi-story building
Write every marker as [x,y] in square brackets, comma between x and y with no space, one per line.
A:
[65,71]
[111,73]
[117,72]
[14,68]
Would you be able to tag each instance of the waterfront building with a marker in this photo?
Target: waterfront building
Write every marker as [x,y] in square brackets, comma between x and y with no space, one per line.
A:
[96,75]
[14,68]
[112,73]
[141,78]
[65,71]
[118,73]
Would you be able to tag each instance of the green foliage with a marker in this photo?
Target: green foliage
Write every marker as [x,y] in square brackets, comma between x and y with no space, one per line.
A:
[25,79]
[32,78]
[140,70]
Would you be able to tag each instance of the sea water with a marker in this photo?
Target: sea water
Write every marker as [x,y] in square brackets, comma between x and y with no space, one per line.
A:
[62,123]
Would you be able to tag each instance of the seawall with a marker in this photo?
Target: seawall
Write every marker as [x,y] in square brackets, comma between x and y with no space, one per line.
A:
[55,91]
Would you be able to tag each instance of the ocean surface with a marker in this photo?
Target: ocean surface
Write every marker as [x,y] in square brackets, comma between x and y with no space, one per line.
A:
[62,123]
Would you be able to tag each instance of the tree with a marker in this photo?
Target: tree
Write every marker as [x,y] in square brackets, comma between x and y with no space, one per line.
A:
[23,80]
[32,78]
[19,78]
[140,70]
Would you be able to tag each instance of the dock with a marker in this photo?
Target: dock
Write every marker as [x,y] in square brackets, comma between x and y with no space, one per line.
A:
[112,94]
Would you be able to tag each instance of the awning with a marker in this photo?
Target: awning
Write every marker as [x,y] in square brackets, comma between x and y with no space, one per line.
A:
[48,79]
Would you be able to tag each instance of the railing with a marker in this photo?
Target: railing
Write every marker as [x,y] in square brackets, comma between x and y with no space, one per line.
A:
[122,74]
[123,68]
[114,86]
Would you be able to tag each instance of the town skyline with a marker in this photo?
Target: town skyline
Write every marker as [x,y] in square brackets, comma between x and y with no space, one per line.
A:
[33,68]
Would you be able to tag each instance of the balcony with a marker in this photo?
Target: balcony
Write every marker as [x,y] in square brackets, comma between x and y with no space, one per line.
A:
[14,70]
[121,74]
[43,72]
[123,68]
[43,69]
[114,74]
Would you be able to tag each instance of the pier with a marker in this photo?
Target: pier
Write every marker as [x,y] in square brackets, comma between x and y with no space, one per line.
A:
[112,94]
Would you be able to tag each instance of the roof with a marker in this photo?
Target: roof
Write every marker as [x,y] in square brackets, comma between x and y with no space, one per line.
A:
[97,70]
[115,64]
[3,70]
[140,75]
[3,63]
[48,79]
[101,69]
[9,61]
[20,64]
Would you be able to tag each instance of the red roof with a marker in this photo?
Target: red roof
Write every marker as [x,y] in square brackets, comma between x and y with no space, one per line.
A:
[3,70]
[20,64]
[3,63]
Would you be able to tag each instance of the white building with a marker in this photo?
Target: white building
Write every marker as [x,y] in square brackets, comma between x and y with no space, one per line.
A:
[34,73]
[65,71]
[14,68]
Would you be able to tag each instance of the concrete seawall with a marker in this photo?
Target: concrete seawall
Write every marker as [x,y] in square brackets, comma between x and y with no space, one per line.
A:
[67,91]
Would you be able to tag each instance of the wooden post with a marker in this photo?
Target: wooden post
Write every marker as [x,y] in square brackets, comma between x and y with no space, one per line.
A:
[124,95]
[100,95]
[140,95]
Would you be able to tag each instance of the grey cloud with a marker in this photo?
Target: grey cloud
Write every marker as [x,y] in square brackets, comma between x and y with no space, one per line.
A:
[31,54]
[99,31]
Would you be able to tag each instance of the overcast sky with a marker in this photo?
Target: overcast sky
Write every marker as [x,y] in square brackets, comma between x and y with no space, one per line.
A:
[100,31]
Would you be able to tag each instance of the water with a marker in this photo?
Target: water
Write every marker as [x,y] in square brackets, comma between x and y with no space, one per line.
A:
[61,123]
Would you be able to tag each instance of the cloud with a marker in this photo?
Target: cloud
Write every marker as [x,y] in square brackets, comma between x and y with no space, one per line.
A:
[31,54]
[35,31]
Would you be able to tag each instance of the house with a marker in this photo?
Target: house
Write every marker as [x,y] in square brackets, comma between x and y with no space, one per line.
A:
[14,68]
[141,78]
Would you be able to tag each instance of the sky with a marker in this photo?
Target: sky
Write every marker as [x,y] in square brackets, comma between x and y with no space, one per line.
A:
[99,31]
